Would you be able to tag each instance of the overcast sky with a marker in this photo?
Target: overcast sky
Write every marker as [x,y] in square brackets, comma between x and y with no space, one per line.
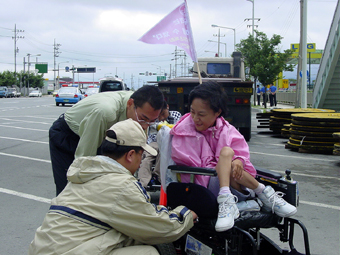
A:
[104,34]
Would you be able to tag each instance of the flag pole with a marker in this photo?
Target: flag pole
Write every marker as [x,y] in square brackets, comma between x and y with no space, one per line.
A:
[199,73]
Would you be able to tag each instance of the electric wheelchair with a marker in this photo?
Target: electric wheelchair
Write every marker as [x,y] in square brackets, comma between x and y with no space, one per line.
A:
[245,238]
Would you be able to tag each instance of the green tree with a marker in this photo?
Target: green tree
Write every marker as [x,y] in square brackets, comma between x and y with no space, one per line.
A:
[7,79]
[263,57]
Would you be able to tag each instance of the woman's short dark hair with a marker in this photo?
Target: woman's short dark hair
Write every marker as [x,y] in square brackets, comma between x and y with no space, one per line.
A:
[114,150]
[214,94]
[148,94]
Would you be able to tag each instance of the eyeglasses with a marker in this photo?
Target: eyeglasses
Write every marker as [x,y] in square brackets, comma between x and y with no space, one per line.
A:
[145,122]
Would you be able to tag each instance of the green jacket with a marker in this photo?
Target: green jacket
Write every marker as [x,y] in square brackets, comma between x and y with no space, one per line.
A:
[91,117]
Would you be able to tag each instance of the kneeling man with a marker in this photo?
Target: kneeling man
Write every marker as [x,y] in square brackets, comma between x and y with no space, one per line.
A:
[104,209]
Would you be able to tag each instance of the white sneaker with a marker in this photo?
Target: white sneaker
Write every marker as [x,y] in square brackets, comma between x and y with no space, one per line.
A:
[249,206]
[227,213]
[273,201]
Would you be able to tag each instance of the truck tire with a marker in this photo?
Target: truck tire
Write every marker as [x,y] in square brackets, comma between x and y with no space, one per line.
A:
[57,104]
[166,249]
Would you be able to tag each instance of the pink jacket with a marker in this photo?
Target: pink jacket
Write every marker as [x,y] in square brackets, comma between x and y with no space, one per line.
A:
[202,149]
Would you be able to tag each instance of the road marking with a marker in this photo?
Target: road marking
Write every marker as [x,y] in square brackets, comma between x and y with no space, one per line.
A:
[48,201]
[25,128]
[25,121]
[28,116]
[287,156]
[276,144]
[24,157]
[308,175]
[321,205]
[25,195]
[23,140]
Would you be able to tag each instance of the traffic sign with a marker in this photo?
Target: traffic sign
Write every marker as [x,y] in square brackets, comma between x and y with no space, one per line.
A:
[86,69]
[41,67]
[161,78]
[301,74]
[296,46]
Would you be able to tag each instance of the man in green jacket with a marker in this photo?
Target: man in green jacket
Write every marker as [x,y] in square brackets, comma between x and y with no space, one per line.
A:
[104,209]
[80,131]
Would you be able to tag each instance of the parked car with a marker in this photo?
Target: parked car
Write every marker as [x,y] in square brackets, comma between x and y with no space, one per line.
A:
[4,91]
[68,95]
[12,92]
[18,93]
[91,91]
[35,93]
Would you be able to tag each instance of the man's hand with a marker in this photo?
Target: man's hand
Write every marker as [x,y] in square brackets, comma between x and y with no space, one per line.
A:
[195,217]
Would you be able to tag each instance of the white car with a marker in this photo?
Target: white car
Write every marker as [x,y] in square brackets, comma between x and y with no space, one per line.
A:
[91,91]
[35,93]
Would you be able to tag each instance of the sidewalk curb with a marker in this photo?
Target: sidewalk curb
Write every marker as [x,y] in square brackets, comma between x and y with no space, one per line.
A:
[279,106]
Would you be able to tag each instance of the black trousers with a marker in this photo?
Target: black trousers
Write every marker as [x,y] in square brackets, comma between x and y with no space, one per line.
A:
[63,144]
[272,99]
[258,99]
[264,98]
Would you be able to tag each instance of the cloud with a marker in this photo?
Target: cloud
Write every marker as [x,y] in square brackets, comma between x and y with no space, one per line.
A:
[104,33]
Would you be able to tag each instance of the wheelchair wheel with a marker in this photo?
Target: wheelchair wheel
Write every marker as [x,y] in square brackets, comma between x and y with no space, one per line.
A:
[166,249]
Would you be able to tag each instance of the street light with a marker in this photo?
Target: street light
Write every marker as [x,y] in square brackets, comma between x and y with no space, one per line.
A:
[160,68]
[212,52]
[28,69]
[225,46]
[28,59]
[58,75]
[227,28]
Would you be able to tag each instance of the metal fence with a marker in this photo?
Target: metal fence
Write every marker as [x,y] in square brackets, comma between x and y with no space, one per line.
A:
[283,97]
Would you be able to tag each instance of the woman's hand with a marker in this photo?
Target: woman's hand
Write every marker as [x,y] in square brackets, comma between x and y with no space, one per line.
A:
[237,169]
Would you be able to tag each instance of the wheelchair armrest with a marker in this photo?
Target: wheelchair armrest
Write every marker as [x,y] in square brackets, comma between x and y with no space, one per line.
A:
[192,170]
[262,172]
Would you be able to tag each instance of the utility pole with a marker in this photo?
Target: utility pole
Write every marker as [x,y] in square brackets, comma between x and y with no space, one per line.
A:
[24,80]
[132,83]
[218,39]
[303,48]
[252,19]
[252,33]
[178,54]
[55,55]
[16,50]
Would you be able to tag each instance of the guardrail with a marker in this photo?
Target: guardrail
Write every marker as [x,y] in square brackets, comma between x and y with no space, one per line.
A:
[290,98]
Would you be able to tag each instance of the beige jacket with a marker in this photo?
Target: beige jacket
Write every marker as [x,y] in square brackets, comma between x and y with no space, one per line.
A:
[103,207]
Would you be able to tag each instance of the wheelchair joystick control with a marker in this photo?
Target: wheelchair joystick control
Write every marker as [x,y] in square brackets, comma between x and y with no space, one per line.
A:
[288,178]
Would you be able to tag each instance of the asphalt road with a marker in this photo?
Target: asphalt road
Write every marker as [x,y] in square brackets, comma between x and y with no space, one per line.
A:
[26,182]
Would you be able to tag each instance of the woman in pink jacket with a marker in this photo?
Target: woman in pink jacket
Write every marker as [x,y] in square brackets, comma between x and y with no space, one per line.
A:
[203,138]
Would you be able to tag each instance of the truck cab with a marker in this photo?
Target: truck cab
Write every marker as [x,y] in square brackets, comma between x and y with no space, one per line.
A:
[229,73]
[221,67]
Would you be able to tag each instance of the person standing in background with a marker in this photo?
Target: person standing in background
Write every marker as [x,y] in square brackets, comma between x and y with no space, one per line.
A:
[258,94]
[272,95]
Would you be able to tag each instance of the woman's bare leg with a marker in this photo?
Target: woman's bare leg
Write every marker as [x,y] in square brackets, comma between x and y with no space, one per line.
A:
[247,181]
[223,167]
